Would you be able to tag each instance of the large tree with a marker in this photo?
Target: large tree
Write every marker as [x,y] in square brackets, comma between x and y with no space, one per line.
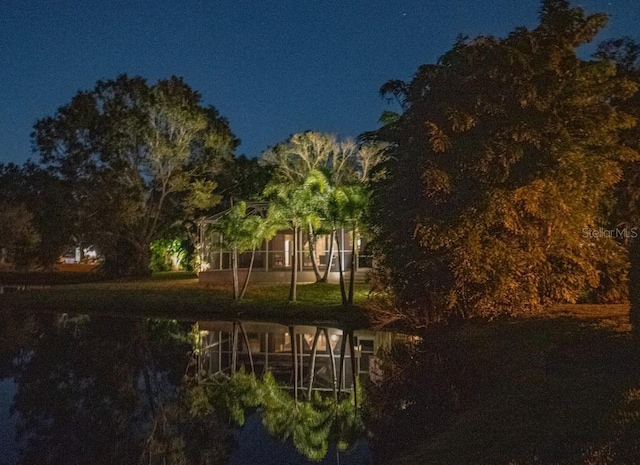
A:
[499,162]
[137,158]
[624,212]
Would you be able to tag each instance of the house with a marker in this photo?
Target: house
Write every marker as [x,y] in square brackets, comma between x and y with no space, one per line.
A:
[273,259]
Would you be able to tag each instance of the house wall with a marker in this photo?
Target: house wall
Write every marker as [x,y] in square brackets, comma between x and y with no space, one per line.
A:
[277,254]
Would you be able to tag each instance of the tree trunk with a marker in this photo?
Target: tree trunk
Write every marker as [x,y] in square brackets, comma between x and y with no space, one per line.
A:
[142,260]
[293,289]
[334,375]
[234,268]
[314,353]
[246,280]
[312,253]
[294,356]
[327,270]
[341,373]
[353,266]
[343,291]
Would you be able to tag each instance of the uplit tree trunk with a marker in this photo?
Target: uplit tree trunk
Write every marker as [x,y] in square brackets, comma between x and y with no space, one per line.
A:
[327,270]
[312,253]
[343,291]
[352,274]
[234,268]
[142,260]
[293,289]
[246,280]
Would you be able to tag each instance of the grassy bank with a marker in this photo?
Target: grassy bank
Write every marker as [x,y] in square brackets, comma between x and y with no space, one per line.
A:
[182,296]
[563,388]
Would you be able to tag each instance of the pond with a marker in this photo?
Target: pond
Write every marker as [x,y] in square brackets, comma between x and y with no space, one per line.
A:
[79,389]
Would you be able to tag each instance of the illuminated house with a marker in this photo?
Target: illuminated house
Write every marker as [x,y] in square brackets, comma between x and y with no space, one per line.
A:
[274,259]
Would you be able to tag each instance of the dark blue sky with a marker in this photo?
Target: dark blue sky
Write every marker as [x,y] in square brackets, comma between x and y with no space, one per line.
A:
[272,68]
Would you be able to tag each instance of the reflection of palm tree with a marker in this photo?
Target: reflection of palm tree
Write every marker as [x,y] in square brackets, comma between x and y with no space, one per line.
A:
[237,328]
[343,348]
[286,418]
[311,424]
[338,381]
[314,353]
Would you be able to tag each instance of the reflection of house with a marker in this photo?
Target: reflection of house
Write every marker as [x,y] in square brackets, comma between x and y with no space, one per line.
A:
[274,259]
[321,357]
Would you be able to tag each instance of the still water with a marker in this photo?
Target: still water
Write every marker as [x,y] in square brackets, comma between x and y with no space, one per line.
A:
[78,389]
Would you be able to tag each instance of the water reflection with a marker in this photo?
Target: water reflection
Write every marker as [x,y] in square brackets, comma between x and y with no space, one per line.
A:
[305,380]
[87,389]
[93,389]
[302,358]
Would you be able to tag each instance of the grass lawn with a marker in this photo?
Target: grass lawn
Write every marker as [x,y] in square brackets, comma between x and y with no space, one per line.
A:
[180,295]
[562,388]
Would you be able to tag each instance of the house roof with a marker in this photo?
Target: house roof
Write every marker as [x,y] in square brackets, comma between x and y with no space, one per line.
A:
[253,208]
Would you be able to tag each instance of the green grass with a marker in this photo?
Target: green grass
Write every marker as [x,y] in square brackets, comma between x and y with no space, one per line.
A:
[563,388]
[180,295]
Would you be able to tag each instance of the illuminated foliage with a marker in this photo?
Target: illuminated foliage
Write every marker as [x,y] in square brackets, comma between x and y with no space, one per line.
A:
[504,153]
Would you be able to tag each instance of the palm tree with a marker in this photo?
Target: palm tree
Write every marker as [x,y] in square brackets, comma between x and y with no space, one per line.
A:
[263,230]
[297,204]
[239,234]
[346,207]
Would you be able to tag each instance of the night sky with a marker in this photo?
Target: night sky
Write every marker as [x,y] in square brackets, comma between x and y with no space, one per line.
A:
[273,68]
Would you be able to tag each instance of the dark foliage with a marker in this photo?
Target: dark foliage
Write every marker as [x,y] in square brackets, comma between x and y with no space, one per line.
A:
[136,159]
[503,157]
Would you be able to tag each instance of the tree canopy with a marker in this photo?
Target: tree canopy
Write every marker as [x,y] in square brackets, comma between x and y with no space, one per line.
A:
[137,158]
[501,158]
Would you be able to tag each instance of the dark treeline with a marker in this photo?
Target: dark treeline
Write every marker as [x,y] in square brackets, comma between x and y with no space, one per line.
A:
[119,167]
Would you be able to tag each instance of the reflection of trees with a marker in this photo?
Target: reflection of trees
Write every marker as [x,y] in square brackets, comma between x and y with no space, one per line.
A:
[97,390]
[77,385]
[311,425]
[423,386]
[17,331]
[112,390]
